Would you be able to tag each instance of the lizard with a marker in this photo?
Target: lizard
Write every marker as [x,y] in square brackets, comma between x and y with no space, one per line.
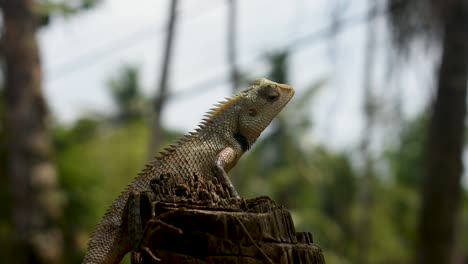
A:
[226,132]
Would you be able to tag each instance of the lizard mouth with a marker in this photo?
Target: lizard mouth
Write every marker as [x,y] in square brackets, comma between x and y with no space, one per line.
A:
[287,89]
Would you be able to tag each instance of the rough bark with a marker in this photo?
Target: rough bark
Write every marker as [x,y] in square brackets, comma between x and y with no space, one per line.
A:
[191,221]
[256,232]
[32,175]
[162,89]
[443,167]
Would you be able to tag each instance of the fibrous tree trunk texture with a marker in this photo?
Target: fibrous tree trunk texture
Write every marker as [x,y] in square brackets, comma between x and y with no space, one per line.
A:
[260,232]
[160,100]
[35,196]
[190,221]
[443,167]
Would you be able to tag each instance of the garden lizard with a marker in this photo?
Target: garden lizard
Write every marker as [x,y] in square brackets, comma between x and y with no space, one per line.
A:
[228,130]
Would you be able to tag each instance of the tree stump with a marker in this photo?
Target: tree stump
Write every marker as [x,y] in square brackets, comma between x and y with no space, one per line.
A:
[247,231]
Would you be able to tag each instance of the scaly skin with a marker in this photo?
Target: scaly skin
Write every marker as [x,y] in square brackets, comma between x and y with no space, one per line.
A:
[228,130]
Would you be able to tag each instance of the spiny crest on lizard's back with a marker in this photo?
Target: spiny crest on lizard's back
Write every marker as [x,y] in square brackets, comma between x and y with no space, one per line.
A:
[221,106]
[216,111]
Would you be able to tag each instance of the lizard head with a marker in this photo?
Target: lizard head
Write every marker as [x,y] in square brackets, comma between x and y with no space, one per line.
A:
[261,103]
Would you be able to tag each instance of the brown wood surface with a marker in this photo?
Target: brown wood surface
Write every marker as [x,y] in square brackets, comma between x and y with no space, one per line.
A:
[251,231]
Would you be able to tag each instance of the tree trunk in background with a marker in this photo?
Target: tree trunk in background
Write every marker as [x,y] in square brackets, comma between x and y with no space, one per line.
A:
[33,181]
[231,44]
[156,135]
[442,179]
[366,196]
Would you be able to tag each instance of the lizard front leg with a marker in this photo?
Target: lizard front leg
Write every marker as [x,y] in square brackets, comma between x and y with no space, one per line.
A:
[225,160]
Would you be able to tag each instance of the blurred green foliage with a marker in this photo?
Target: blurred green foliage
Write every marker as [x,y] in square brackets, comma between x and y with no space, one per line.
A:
[96,161]
[97,158]
[126,93]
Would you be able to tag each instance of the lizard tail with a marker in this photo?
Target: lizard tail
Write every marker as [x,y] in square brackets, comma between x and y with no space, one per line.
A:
[110,241]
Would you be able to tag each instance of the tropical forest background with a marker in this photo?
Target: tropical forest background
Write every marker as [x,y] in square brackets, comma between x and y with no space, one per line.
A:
[368,156]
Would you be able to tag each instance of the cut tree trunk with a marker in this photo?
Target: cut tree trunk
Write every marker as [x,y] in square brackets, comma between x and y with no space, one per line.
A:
[258,231]
[184,220]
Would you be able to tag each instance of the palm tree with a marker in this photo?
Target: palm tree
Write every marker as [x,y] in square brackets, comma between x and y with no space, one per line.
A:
[125,90]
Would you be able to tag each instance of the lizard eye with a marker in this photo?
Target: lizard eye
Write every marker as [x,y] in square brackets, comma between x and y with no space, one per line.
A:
[272,97]
[271,94]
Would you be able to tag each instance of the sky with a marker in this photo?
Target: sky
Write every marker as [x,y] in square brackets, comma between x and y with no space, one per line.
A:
[80,53]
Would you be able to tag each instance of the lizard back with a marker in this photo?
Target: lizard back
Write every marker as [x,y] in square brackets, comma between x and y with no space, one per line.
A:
[226,132]
[192,155]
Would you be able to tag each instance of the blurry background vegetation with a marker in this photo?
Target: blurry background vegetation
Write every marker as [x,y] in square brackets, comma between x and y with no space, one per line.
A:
[394,197]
